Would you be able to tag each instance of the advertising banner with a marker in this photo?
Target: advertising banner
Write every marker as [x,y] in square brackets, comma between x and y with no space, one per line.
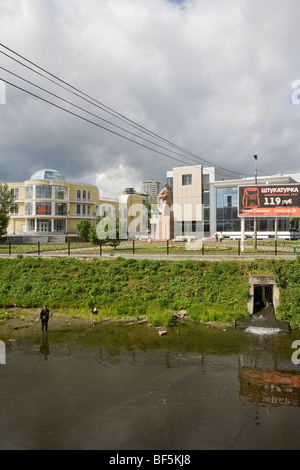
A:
[282,200]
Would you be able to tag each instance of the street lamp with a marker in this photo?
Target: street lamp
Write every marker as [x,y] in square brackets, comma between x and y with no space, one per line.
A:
[255,219]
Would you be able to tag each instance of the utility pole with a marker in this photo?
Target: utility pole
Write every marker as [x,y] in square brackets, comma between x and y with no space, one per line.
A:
[255,219]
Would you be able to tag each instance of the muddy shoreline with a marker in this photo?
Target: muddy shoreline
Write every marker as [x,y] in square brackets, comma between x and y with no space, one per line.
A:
[24,320]
[19,322]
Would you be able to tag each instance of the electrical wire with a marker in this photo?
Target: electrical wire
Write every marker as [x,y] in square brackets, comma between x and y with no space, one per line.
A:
[105,108]
[99,104]
[88,120]
[88,112]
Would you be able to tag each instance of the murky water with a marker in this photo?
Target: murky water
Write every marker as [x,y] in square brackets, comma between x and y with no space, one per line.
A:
[119,387]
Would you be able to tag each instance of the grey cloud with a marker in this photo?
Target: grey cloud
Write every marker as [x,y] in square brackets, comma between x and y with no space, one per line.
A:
[213,77]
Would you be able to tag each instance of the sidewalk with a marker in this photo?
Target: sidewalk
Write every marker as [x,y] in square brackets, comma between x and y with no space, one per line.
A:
[163,257]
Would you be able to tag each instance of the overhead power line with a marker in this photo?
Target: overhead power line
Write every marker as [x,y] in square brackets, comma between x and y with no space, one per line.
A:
[76,92]
[88,120]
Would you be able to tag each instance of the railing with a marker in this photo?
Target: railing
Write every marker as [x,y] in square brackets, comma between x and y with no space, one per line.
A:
[207,247]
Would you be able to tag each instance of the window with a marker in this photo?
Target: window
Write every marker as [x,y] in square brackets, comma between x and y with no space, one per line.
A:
[205,182]
[42,208]
[189,227]
[43,191]
[78,209]
[84,194]
[31,225]
[88,209]
[206,214]
[14,209]
[83,209]
[227,204]
[61,192]
[89,195]
[59,225]
[28,208]
[186,180]
[78,194]
[206,198]
[60,208]
[28,192]
[15,193]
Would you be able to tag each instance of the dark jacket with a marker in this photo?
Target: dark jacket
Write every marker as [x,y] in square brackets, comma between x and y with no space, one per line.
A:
[44,314]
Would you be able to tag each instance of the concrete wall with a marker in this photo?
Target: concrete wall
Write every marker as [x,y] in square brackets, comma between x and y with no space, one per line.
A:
[263,280]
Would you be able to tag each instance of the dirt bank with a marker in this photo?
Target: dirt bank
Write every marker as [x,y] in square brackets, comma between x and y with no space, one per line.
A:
[21,321]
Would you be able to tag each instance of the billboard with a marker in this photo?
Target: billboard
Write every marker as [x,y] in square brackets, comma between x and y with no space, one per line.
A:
[282,200]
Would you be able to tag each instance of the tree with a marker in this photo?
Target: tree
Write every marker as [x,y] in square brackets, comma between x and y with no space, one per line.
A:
[107,231]
[6,200]
[83,229]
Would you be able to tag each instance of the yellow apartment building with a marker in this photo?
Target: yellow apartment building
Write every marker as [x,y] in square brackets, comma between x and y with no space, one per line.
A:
[47,204]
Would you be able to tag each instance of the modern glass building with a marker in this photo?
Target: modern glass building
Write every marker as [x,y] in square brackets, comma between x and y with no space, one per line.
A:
[227,219]
[205,201]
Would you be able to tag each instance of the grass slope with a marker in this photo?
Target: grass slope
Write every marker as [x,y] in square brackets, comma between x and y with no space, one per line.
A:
[208,291]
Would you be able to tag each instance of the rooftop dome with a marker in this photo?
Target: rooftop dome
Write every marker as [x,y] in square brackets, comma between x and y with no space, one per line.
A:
[47,175]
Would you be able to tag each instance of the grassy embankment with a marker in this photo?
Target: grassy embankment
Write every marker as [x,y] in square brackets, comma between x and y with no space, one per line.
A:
[208,291]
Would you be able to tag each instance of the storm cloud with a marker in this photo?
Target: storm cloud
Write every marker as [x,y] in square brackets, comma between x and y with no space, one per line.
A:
[213,77]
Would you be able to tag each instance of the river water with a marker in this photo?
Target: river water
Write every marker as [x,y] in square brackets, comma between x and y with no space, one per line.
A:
[118,387]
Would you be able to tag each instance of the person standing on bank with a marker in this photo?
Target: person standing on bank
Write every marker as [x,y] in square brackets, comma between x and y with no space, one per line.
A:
[44,316]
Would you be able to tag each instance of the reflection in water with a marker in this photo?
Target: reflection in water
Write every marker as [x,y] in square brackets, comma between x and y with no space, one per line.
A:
[44,346]
[269,387]
[125,387]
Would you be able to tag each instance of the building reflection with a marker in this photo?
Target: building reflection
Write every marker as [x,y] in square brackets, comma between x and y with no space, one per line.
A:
[269,387]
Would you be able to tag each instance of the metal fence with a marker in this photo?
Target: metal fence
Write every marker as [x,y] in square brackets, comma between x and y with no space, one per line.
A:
[206,247]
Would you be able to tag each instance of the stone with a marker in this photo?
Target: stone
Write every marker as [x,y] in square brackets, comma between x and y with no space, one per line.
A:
[162,332]
[181,314]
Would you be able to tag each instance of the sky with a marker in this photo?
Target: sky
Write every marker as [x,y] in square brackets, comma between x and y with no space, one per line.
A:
[166,84]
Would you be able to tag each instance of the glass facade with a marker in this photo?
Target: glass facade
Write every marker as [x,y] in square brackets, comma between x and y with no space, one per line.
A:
[47,175]
[43,191]
[60,192]
[228,220]
[227,210]
[28,192]
[61,208]
[59,225]
[43,208]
